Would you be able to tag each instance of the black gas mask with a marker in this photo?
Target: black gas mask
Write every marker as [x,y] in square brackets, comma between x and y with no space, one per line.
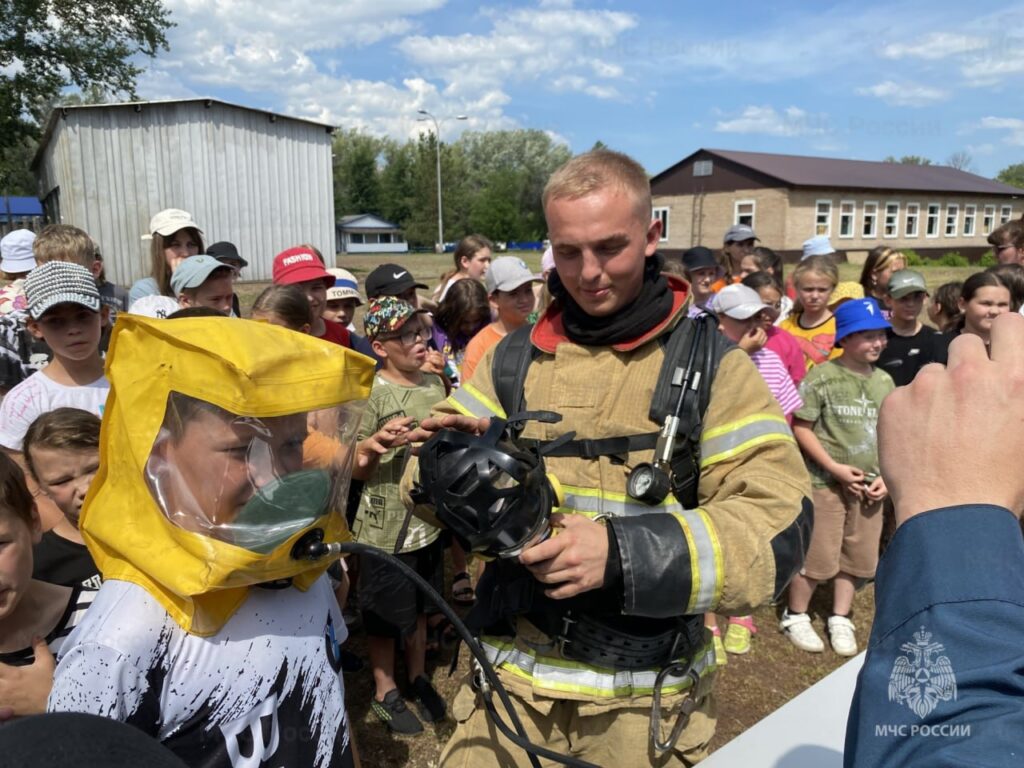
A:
[490,490]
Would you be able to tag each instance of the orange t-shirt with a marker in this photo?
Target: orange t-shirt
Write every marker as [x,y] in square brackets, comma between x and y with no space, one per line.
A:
[818,343]
[721,282]
[487,337]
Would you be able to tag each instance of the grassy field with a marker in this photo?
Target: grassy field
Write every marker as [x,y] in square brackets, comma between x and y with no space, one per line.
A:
[749,687]
[427,268]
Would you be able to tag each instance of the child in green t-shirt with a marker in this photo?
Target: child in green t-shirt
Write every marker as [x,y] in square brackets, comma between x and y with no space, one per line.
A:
[837,432]
[393,609]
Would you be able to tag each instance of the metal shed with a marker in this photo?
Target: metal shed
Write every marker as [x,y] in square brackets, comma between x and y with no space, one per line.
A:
[260,180]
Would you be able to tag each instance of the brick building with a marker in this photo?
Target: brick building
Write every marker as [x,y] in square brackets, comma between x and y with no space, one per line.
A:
[859,204]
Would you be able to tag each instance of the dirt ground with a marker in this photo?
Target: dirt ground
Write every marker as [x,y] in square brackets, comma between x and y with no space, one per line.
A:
[748,688]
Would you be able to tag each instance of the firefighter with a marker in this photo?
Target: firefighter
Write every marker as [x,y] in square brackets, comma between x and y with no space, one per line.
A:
[605,634]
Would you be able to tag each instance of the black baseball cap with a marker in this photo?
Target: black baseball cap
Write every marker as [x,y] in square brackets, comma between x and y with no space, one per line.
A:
[699,258]
[228,253]
[390,280]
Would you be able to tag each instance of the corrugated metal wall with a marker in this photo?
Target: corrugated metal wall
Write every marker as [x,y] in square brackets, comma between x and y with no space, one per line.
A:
[260,184]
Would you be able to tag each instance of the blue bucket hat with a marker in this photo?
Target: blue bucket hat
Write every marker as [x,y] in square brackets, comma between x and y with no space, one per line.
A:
[859,315]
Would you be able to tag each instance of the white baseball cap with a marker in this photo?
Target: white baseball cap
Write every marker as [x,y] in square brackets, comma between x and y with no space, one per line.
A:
[169,221]
[345,286]
[738,302]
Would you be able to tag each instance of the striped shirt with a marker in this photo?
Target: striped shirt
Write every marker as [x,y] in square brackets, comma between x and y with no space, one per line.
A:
[779,382]
[79,601]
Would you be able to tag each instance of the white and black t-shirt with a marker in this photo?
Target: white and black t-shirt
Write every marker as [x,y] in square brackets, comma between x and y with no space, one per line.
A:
[264,691]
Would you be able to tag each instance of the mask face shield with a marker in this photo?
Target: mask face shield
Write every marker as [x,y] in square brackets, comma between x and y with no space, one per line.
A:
[247,481]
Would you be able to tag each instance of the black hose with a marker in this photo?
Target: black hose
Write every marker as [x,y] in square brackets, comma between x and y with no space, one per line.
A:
[519,738]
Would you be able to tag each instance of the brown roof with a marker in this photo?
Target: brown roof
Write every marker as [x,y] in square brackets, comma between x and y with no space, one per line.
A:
[802,171]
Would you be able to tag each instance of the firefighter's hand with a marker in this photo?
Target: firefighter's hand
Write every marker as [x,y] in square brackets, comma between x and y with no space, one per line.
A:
[23,690]
[574,559]
[428,427]
[976,404]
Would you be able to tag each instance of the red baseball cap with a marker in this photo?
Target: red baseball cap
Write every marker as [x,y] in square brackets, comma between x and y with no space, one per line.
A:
[299,265]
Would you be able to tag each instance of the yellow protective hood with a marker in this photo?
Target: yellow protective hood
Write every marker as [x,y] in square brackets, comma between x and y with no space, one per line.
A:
[250,369]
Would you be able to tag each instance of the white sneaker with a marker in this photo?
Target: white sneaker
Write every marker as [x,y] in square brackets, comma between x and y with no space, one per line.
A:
[840,634]
[798,628]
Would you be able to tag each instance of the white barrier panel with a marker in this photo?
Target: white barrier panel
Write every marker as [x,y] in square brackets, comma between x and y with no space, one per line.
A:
[806,732]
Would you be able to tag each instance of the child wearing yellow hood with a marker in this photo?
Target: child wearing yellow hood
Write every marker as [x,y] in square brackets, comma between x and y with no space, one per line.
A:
[213,632]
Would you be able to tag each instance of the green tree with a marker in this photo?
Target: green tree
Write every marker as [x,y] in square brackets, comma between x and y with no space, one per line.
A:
[356,173]
[529,154]
[396,182]
[16,177]
[908,160]
[1012,175]
[496,211]
[49,45]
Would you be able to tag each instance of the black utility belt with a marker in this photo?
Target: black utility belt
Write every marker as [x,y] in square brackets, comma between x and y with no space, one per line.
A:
[591,641]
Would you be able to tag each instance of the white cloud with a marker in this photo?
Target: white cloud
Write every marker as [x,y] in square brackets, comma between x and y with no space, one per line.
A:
[1014,127]
[991,69]
[527,45]
[904,94]
[792,121]
[298,58]
[309,25]
[937,45]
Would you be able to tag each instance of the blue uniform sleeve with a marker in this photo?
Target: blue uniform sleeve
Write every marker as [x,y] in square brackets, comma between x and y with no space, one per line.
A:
[943,679]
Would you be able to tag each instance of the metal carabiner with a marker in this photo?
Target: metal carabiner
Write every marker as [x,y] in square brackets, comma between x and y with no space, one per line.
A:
[686,708]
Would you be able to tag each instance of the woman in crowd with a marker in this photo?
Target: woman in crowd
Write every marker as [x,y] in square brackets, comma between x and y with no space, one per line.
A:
[173,237]
[882,261]
[472,257]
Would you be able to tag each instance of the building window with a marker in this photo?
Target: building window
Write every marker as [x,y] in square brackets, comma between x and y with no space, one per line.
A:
[823,218]
[661,214]
[744,213]
[702,167]
[1005,214]
[892,220]
[870,228]
[356,238]
[913,214]
[952,215]
[970,215]
[989,222]
[847,209]
[931,229]
[384,237]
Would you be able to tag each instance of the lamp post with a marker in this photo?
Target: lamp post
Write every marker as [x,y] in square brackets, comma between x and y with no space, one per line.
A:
[437,147]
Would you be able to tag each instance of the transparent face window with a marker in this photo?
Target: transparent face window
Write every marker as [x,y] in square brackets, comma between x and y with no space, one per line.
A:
[246,481]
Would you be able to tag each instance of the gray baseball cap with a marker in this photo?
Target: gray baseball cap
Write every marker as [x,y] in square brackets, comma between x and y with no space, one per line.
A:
[507,273]
[737,233]
[906,281]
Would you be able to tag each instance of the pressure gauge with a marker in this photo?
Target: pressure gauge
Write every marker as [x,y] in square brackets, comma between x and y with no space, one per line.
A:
[648,483]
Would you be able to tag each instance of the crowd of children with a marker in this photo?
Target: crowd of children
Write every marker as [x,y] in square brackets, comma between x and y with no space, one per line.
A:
[829,352]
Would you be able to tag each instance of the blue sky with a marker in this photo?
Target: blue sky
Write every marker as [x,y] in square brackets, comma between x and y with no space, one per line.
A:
[656,80]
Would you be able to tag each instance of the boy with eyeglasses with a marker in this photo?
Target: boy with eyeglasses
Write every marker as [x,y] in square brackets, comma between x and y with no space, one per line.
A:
[393,609]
